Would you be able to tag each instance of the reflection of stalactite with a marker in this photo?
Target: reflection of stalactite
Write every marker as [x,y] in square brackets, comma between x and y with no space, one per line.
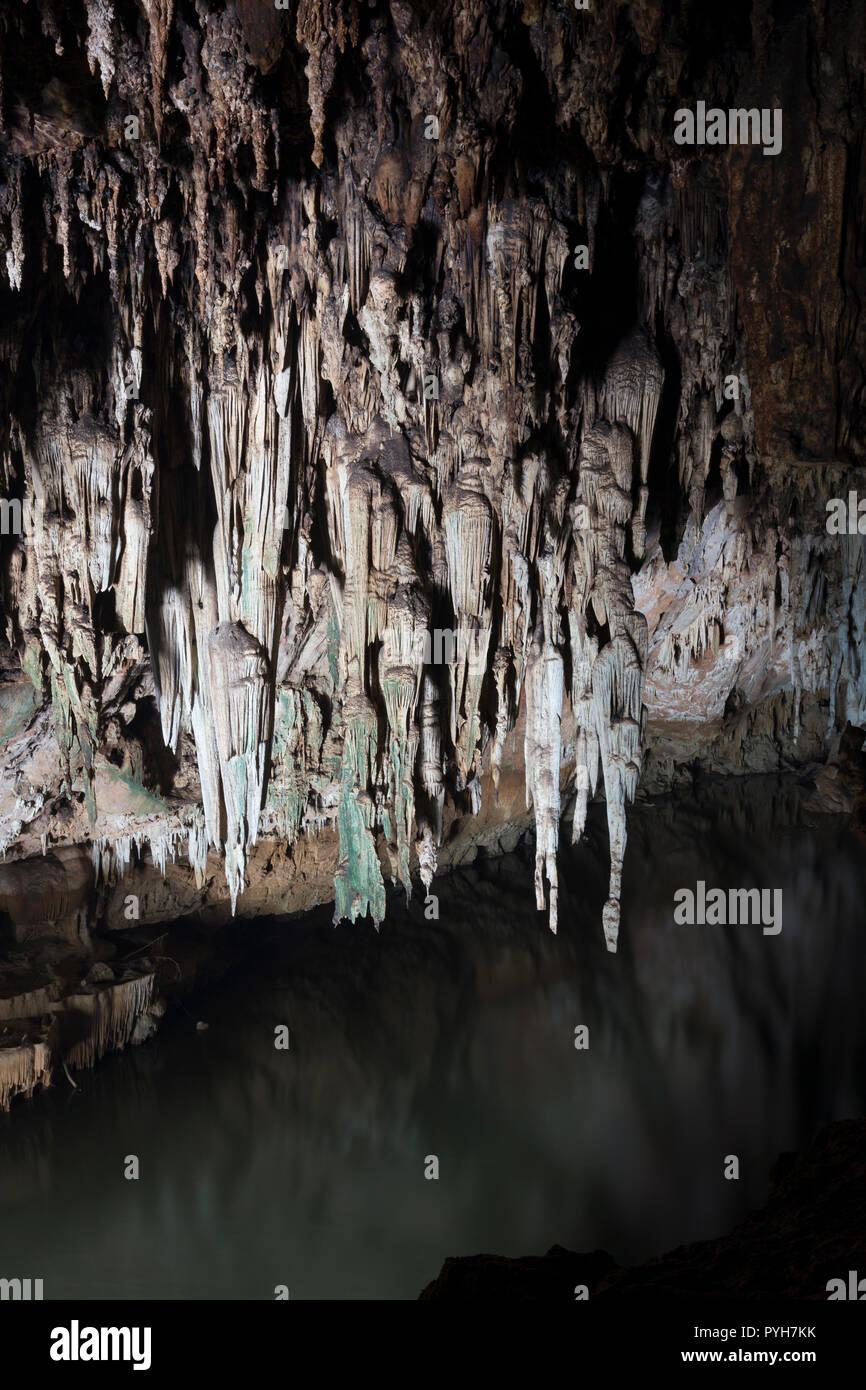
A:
[84,1027]
[22,1069]
[111,1013]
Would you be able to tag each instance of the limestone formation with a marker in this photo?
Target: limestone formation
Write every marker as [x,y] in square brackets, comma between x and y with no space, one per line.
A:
[391,404]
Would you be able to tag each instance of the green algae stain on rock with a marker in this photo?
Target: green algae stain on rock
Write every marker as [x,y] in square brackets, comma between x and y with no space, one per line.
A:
[122,794]
[18,704]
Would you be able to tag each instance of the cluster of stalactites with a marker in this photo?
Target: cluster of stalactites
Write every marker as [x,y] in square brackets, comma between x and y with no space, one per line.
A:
[256,411]
[87,528]
[607,636]
[384,616]
[545,687]
[213,634]
[608,677]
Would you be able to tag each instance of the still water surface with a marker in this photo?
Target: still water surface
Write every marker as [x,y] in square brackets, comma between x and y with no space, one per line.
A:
[456,1038]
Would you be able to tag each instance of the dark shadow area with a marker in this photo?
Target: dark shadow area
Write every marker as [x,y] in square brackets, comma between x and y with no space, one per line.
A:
[455,1038]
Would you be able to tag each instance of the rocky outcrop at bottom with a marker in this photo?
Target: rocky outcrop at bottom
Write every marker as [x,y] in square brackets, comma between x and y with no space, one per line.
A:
[810,1230]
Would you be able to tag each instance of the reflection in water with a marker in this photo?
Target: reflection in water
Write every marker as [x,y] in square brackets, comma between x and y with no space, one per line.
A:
[456,1038]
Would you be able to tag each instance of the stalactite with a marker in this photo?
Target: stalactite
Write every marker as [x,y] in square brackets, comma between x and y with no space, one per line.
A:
[401,663]
[608,678]
[544,693]
[359,886]
[240,685]
[631,392]
[469,542]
